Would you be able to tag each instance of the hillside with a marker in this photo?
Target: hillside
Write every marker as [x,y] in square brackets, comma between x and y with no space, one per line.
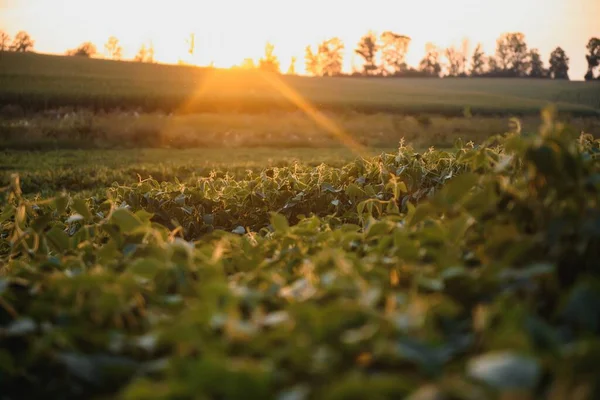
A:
[35,82]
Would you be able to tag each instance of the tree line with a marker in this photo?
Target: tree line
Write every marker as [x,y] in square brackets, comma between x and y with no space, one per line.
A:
[382,55]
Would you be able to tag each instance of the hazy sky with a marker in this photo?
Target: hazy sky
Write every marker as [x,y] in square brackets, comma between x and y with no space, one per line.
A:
[228,31]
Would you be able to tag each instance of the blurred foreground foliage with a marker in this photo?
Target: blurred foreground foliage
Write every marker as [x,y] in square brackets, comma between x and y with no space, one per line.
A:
[468,274]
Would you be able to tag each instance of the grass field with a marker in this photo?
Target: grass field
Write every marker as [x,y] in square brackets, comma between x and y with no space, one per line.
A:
[85,130]
[37,82]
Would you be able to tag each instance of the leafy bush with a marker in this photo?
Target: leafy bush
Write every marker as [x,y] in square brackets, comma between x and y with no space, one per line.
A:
[461,275]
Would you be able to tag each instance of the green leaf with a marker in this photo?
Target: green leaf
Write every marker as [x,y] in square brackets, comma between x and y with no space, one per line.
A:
[80,206]
[505,370]
[240,230]
[144,215]
[58,239]
[279,222]
[457,188]
[41,222]
[20,327]
[7,213]
[125,220]
[145,267]
[60,204]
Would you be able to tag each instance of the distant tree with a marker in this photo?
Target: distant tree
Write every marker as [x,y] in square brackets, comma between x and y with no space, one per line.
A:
[292,69]
[145,54]
[4,40]
[331,56]
[248,63]
[87,49]
[112,48]
[593,57]
[367,49]
[311,62]
[457,61]
[493,68]
[326,60]
[269,62]
[536,65]
[430,64]
[393,52]
[559,64]
[22,42]
[512,55]
[478,61]
[191,43]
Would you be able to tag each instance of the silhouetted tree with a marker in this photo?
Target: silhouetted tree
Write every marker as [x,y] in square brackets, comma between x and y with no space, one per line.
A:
[145,54]
[536,67]
[559,64]
[269,62]
[478,61]
[430,64]
[87,49]
[367,49]
[22,42]
[191,42]
[457,61]
[248,63]
[512,55]
[311,61]
[112,48]
[393,52]
[593,57]
[327,60]
[4,40]
[493,69]
[292,69]
[331,56]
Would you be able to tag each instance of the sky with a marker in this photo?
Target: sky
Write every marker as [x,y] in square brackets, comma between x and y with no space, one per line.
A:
[227,31]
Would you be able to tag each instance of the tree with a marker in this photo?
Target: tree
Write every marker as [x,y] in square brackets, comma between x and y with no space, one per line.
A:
[292,69]
[22,42]
[393,52]
[269,62]
[536,65]
[512,55]
[593,58]
[112,48]
[327,60]
[430,64]
[87,49]
[331,56]
[367,49]
[248,63]
[311,62]
[559,64]
[191,42]
[4,40]
[145,54]
[457,61]
[478,61]
[493,67]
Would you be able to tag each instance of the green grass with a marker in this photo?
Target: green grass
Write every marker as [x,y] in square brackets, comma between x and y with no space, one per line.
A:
[37,82]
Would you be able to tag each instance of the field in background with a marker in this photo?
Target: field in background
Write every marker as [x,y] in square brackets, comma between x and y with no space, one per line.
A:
[39,82]
[73,130]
